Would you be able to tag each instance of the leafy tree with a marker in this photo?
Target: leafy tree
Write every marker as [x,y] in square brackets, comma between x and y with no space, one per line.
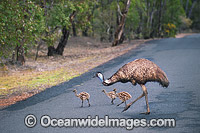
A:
[25,23]
[21,25]
[120,29]
[63,14]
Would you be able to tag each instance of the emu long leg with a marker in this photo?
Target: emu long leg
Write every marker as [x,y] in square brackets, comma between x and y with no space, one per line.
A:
[129,105]
[143,94]
[125,103]
[146,98]
[82,104]
[88,102]
[112,101]
[120,103]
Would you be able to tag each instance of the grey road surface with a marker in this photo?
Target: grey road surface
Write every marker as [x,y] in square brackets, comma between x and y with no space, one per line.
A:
[179,58]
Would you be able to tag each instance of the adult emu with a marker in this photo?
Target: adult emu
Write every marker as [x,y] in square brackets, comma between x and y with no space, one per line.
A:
[138,71]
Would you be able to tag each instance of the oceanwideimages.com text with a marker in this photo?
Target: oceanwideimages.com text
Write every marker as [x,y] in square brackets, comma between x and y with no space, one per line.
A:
[128,123]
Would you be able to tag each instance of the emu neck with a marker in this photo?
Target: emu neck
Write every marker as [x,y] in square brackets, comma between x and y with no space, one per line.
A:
[114,78]
[76,94]
[105,92]
[115,93]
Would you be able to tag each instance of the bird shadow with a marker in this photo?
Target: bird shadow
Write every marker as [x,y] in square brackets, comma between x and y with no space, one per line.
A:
[84,107]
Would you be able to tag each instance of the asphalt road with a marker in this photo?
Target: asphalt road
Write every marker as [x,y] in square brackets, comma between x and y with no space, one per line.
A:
[179,58]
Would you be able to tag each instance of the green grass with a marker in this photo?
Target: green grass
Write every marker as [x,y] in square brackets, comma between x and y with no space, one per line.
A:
[35,80]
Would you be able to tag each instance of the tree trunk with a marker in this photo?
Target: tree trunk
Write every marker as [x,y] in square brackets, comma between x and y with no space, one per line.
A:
[85,31]
[13,55]
[20,55]
[63,41]
[190,12]
[162,5]
[38,48]
[159,19]
[186,7]
[72,16]
[74,28]
[119,32]
[110,34]
[120,28]
[51,51]
[153,10]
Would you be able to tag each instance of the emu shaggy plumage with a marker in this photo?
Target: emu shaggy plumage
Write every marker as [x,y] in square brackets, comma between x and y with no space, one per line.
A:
[139,71]
[83,96]
[111,95]
[123,96]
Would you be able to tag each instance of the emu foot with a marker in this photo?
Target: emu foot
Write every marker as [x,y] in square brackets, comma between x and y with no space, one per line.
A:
[127,107]
[146,113]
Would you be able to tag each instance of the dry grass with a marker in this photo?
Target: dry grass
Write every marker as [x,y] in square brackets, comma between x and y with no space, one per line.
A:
[181,35]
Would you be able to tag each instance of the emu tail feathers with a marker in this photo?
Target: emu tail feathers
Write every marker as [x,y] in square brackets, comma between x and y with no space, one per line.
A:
[163,80]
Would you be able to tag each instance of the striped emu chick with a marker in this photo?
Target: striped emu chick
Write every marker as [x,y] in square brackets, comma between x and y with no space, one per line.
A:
[123,96]
[111,95]
[139,71]
[83,96]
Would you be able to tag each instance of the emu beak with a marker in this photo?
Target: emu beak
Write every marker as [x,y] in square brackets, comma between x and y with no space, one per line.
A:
[104,83]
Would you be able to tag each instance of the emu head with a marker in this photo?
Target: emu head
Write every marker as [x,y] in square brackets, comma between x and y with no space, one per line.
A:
[100,76]
[104,90]
[103,81]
